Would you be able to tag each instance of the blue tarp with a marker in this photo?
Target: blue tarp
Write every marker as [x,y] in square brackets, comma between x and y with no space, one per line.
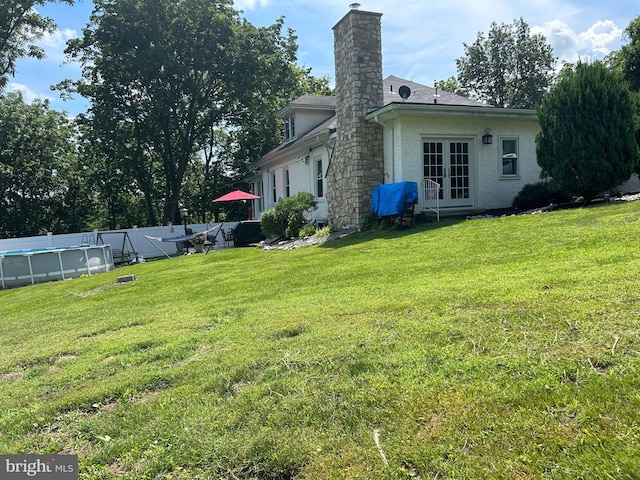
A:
[393,198]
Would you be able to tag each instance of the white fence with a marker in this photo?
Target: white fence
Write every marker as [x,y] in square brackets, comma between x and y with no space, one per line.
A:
[142,246]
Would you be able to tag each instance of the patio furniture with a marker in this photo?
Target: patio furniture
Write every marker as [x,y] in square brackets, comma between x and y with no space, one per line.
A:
[228,237]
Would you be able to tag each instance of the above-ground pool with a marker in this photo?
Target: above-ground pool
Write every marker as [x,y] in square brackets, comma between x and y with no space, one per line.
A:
[39,265]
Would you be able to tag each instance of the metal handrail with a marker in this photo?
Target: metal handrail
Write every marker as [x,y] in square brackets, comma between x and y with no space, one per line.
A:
[432,197]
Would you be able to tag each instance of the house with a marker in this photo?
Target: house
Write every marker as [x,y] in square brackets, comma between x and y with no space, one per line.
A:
[389,130]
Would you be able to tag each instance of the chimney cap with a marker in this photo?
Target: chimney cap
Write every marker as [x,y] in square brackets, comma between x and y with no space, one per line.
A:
[354,6]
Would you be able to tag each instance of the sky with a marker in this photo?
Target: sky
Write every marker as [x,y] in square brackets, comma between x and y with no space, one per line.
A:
[421,40]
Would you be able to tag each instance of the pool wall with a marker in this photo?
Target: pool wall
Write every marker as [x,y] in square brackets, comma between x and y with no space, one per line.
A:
[40,265]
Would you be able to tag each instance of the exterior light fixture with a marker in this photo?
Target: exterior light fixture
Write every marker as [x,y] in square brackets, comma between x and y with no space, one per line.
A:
[184,213]
[487,138]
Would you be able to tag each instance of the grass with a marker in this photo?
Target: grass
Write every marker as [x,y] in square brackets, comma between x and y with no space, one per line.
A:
[502,349]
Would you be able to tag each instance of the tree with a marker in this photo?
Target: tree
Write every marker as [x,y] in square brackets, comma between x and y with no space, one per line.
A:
[449,85]
[162,73]
[586,143]
[626,61]
[37,159]
[20,25]
[508,68]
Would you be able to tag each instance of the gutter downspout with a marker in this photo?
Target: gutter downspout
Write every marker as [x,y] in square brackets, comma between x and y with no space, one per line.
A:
[393,150]
[330,150]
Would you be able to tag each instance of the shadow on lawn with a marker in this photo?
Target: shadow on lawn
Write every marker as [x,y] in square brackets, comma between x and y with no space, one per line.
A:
[381,230]
[385,230]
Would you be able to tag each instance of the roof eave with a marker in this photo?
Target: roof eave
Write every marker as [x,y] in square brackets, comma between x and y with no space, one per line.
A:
[295,148]
[395,110]
[294,107]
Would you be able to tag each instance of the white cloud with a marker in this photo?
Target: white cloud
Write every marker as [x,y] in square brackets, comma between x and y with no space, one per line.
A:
[603,36]
[58,38]
[594,43]
[249,4]
[28,94]
[55,43]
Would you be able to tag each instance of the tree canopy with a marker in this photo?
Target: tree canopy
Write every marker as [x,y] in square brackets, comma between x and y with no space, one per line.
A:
[509,67]
[20,26]
[166,78]
[627,59]
[586,144]
[37,165]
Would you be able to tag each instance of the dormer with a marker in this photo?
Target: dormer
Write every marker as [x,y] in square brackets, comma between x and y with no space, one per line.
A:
[304,114]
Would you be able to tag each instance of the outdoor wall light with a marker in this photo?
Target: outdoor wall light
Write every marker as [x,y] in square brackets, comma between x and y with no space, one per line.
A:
[487,138]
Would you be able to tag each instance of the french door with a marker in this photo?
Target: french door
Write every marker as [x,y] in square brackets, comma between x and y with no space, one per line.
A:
[448,162]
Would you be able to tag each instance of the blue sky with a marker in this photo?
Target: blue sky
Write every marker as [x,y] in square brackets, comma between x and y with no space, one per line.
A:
[421,39]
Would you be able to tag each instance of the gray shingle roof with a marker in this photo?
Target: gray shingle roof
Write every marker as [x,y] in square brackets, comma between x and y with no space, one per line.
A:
[422,94]
[315,101]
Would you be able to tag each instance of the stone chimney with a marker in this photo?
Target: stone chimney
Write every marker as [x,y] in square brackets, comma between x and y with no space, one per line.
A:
[356,167]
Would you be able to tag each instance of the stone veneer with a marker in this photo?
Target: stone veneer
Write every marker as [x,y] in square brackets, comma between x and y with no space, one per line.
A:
[356,166]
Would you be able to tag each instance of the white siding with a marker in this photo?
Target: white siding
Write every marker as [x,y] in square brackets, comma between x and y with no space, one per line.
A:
[489,190]
[307,120]
[302,178]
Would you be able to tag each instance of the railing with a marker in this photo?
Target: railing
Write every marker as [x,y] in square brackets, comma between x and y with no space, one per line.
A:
[431,197]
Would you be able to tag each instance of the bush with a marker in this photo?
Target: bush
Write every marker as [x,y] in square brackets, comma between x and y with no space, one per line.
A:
[288,216]
[308,231]
[536,195]
[324,231]
[587,141]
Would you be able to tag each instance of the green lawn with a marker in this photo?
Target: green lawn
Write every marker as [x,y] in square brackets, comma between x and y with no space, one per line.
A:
[500,349]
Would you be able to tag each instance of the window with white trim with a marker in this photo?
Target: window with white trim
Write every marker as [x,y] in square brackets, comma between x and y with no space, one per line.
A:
[273,188]
[290,128]
[509,157]
[287,184]
[319,178]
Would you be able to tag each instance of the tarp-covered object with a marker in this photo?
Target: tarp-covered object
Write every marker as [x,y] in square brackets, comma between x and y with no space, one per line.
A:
[393,198]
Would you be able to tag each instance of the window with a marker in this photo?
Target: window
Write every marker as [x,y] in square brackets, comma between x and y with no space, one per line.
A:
[509,166]
[319,179]
[273,188]
[257,188]
[290,128]
[287,188]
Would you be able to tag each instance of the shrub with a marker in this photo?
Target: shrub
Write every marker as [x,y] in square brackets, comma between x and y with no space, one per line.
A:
[307,231]
[586,143]
[324,231]
[288,216]
[536,195]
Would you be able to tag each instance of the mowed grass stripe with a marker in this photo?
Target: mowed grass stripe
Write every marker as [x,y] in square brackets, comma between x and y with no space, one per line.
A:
[504,348]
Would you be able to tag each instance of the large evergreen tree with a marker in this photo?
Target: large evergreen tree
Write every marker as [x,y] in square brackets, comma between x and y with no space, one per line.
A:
[586,144]
[509,67]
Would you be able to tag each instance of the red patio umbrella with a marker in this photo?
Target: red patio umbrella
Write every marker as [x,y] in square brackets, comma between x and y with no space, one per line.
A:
[236,195]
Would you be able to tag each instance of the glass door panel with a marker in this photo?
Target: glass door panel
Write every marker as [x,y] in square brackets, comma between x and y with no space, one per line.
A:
[449,164]
[434,163]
